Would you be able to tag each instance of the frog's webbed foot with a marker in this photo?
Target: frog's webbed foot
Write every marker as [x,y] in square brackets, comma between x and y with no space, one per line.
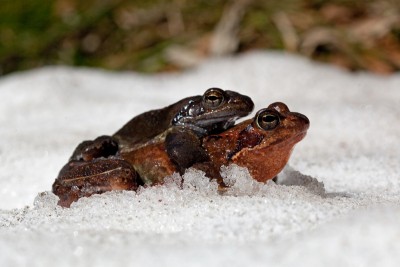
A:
[82,179]
[102,147]
[184,148]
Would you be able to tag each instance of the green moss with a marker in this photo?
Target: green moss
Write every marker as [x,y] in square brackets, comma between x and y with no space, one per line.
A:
[133,34]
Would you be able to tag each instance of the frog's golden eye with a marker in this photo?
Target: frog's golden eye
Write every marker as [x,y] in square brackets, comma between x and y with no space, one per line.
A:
[267,120]
[213,97]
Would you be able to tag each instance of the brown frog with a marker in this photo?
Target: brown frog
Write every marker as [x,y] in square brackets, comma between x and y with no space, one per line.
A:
[262,144]
[156,144]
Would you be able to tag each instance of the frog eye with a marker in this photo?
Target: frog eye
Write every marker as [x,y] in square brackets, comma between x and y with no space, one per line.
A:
[213,97]
[267,120]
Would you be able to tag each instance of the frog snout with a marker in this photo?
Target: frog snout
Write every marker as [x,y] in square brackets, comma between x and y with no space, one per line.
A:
[248,103]
[302,120]
[239,100]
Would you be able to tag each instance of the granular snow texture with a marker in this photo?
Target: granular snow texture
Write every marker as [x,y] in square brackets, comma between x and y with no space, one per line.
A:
[336,205]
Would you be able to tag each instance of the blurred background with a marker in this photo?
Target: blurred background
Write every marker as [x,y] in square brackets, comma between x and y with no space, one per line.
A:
[162,36]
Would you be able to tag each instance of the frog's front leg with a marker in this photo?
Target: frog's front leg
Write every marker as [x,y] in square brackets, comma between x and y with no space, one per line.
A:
[82,179]
[102,147]
[185,150]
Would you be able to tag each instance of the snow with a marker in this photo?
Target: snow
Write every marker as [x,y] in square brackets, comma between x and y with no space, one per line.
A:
[337,204]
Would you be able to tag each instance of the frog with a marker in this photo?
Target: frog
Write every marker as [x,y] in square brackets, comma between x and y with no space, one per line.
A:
[262,144]
[158,142]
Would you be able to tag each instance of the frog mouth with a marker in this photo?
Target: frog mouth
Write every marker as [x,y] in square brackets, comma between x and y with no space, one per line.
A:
[203,125]
[228,118]
[290,142]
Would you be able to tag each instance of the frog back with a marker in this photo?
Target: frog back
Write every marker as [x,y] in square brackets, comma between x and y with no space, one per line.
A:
[147,125]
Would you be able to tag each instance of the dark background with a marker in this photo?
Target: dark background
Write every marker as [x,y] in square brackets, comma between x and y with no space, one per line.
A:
[154,36]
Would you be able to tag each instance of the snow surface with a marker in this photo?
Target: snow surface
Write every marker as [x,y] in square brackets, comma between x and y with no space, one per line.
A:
[337,205]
